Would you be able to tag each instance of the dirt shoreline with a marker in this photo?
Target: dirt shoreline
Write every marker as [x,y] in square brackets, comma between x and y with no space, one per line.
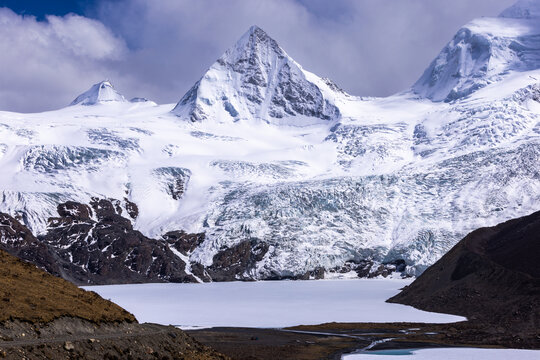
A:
[331,341]
[69,338]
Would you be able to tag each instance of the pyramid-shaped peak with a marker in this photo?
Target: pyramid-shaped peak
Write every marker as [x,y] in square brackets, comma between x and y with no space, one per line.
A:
[256,34]
[523,9]
[254,44]
[256,79]
[102,92]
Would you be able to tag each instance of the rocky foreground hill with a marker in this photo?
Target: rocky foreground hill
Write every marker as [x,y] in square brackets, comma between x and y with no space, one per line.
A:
[45,317]
[492,277]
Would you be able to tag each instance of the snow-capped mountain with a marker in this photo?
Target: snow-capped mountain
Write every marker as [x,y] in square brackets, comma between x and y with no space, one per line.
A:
[256,79]
[288,176]
[102,92]
[484,52]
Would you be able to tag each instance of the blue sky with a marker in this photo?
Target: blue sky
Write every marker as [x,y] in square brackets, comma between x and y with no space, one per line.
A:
[159,48]
[40,8]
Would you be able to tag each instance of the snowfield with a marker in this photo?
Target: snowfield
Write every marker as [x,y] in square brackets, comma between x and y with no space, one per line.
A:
[266,304]
[269,153]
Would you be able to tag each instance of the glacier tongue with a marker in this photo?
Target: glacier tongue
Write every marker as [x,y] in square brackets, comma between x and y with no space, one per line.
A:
[102,92]
[256,79]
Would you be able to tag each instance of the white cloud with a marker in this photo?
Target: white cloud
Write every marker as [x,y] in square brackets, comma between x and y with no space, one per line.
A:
[46,64]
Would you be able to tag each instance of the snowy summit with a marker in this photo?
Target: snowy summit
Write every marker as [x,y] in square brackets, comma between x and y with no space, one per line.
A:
[484,51]
[102,92]
[256,79]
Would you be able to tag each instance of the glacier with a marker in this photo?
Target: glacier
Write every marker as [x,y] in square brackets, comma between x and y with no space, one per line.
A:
[260,150]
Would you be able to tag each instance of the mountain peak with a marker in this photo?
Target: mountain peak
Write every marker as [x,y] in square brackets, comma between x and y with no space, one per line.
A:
[257,35]
[483,52]
[256,79]
[255,45]
[523,9]
[102,92]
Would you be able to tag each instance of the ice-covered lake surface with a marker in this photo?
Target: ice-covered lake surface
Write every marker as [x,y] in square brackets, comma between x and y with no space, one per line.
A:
[267,303]
[448,354]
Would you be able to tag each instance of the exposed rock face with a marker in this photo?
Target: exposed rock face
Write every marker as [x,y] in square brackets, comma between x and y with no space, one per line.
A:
[234,263]
[174,180]
[371,269]
[17,240]
[491,276]
[97,245]
[183,242]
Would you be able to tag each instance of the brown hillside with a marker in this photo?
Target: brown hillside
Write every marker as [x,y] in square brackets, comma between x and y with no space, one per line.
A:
[30,294]
[491,276]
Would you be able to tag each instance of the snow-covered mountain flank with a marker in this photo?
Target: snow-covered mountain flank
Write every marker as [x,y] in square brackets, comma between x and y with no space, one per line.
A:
[283,173]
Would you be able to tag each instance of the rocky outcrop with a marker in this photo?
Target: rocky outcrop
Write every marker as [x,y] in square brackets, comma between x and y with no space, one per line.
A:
[17,240]
[95,244]
[234,263]
[183,242]
[371,269]
[491,276]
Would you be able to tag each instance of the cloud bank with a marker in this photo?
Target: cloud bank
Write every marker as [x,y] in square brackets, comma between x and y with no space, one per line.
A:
[158,49]
[45,64]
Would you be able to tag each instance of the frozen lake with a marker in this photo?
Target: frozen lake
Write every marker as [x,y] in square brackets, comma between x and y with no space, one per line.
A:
[449,354]
[267,303]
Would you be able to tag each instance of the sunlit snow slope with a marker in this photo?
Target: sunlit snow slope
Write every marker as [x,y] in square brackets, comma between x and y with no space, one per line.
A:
[264,151]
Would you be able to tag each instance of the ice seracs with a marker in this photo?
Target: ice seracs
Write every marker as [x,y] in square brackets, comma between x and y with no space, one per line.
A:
[483,52]
[256,79]
[100,93]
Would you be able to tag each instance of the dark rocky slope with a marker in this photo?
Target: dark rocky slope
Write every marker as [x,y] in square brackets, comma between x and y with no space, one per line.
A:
[45,317]
[492,277]
[95,244]
[19,241]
